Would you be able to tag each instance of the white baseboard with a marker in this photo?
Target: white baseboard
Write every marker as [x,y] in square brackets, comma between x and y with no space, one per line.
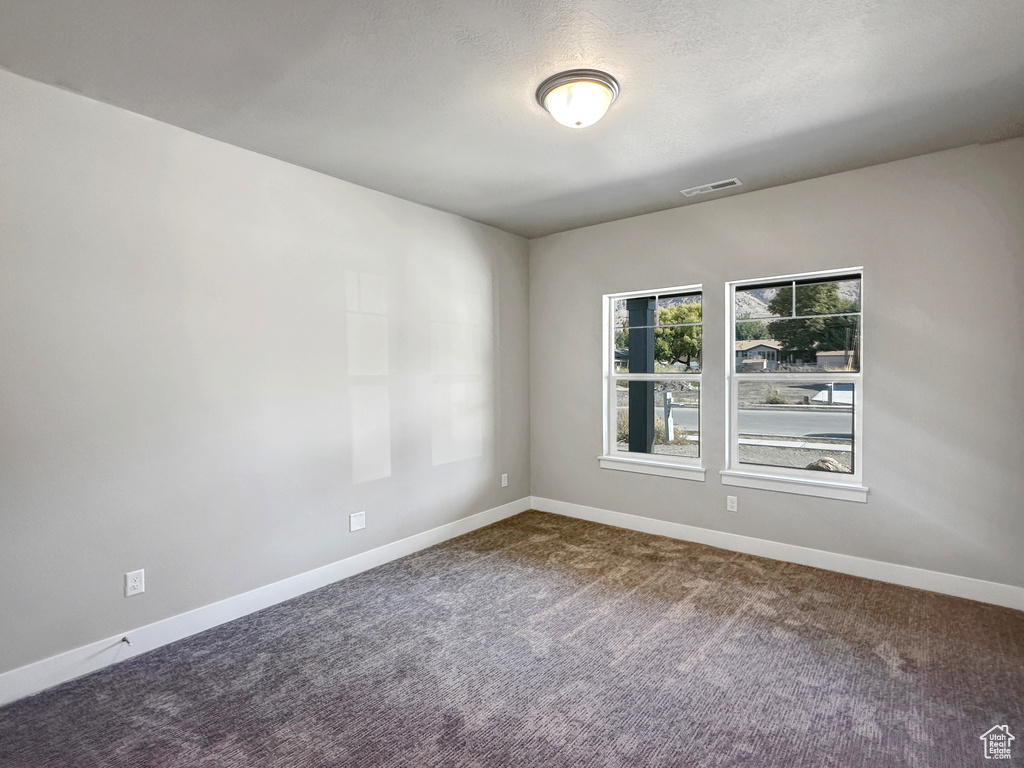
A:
[904,575]
[46,673]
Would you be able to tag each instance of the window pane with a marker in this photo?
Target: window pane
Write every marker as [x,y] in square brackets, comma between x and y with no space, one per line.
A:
[679,308]
[636,311]
[635,350]
[677,348]
[747,330]
[620,351]
[664,419]
[679,334]
[827,297]
[800,425]
[818,297]
[620,313]
[758,355]
[807,344]
[761,303]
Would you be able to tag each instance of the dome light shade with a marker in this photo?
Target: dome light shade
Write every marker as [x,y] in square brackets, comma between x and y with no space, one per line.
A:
[579,97]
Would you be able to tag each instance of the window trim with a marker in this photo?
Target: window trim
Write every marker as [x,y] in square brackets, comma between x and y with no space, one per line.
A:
[681,467]
[784,479]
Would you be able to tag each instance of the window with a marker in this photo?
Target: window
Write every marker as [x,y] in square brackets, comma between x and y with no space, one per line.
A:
[652,382]
[795,387]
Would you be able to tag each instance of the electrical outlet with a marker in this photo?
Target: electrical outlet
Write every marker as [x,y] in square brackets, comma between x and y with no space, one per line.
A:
[730,504]
[504,481]
[135,582]
[357,521]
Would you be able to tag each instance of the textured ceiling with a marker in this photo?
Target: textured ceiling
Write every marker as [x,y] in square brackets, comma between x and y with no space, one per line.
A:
[434,102]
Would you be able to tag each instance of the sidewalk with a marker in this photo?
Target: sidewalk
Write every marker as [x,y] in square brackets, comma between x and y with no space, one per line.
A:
[796,443]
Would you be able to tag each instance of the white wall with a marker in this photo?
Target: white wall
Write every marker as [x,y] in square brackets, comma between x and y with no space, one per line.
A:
[941,238]
[210,358]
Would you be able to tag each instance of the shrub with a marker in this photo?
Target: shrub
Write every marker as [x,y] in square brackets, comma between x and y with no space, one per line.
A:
[622,428]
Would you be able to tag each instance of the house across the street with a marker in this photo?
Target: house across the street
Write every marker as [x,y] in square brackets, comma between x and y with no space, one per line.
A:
[754,354]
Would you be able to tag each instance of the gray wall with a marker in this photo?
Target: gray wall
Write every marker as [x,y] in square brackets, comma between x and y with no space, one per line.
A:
[941,238]
[210,358]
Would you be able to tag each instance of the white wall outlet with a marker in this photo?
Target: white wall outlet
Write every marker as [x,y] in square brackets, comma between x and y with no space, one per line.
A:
[357,521]
[730,504]
[504,481]
[135,582]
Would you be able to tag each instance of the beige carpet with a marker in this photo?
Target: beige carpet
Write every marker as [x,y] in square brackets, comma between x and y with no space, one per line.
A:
[548,641]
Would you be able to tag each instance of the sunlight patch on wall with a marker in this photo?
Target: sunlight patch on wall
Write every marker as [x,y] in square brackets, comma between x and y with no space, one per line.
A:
[460,321]
[367,327]
[366,292]
[367,345]
[457,420]
[371,432]
[455,349]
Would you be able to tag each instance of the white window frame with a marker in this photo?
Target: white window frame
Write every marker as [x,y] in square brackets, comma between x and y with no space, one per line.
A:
[847,487]
[686,468]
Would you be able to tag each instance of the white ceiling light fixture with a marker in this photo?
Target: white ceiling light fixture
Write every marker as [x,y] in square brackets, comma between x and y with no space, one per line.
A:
[578,97]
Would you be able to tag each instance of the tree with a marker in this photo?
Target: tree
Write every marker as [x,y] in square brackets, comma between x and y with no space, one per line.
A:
[750,329]
[809,334]
[674,343]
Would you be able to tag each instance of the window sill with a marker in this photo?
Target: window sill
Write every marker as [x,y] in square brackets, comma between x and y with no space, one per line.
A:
[647,467]
[803,486]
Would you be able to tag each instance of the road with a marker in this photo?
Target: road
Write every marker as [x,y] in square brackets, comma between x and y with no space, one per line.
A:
[769,422]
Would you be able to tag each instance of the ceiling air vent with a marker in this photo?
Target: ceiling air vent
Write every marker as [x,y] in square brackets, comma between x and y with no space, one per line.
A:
[712,187]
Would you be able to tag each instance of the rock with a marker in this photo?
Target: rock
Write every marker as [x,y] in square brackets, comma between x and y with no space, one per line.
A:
[827,464]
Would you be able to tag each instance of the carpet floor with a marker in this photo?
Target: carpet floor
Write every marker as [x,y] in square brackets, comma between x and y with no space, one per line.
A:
[548,641]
